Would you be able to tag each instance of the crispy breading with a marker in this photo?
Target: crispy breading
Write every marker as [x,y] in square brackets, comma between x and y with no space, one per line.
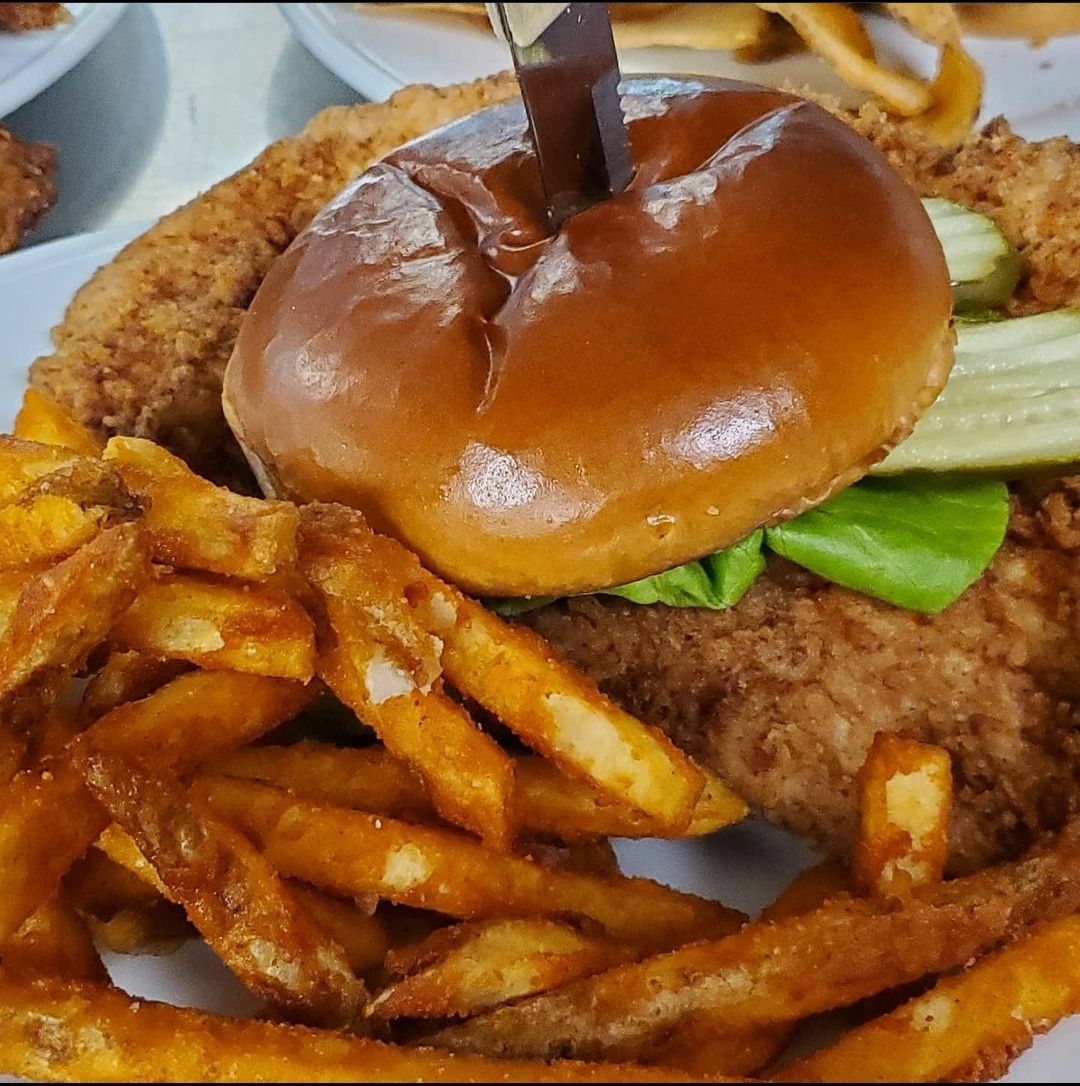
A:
[16,18]
[27,185]
[143,346]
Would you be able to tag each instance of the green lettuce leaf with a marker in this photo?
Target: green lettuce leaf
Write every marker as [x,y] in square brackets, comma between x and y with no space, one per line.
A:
[716,581]
[916,541]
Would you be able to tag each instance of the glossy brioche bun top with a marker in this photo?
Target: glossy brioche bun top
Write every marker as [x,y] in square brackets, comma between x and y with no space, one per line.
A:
[744,331]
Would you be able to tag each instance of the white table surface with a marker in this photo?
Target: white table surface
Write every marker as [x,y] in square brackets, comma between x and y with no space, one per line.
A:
[174,98]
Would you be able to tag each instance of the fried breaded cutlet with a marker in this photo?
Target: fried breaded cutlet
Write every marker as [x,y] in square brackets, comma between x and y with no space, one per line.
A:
[781,694]
[15,18]
[27,186]
[143,346]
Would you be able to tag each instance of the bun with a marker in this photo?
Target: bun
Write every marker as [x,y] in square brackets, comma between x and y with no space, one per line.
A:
[744,331]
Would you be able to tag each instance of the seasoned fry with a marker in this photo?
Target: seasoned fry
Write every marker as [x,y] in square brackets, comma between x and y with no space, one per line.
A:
[783,970]
[125,676]
[705,1044]
[349,852]
[191,718]
[474,966]
[23,462]
[55,940]
[968,1027]
[98,1033]
[44,420]
[196,525]
[66,611]
[377,658]
[44,528]
[905,800]
[362,933]
[545,802]
[217,624]
[230,893]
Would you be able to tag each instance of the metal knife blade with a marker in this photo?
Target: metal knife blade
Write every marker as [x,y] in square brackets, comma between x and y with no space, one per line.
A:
[569,78]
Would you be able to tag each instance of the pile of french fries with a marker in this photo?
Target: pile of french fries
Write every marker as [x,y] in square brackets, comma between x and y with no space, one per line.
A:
[390,814]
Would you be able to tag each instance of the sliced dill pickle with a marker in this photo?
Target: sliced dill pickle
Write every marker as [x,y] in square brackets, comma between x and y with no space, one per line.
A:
[1011,404]
[983,267]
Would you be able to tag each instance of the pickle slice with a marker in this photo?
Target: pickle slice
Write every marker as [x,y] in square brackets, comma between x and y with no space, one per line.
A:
[983,267]
[1012,401]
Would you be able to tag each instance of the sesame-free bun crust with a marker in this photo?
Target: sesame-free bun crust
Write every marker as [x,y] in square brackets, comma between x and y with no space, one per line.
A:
[755,321]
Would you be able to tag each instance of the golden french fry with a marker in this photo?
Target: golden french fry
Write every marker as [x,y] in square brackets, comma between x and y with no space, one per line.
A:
[196,525]
[783,970]
[23,462]
[193,717]
[230,893]
[474,966]
[957,90]
[545,802]
[969,1026]
[220,624]
[836,33]
[55,940]
[905,802]
[44,528]
[97,1033]
[125,911]
[381,663]
[125,675]
[66,611]
[350,852]
[362,933]
[43,420]
[705,1044]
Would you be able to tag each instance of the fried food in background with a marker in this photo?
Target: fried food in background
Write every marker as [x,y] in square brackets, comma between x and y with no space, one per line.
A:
[15,18]
[1038,23]
[944,105]
[27,185]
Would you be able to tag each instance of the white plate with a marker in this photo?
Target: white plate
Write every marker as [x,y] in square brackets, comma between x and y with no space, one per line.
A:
[745,865]
[35,59]
[377,53]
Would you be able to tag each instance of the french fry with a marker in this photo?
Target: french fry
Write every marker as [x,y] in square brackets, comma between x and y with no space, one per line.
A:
[125,911]
[196,525]
[45,421]
[545,802]
[379,661]
[55,940]
[363,934]
[474,966]
[969,1026]
[705,1044]
[557,712]
[194,716]
[350,852]
[125,676]
[44,528]
[783,970]
[230,893]
[23,462]
[97,1033]
[219,624]
[905,801]
[68,610]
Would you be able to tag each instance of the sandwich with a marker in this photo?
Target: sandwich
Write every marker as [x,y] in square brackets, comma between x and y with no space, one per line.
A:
[831,338]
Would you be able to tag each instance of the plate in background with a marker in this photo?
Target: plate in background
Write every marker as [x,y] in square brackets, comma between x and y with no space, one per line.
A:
[32,60]
[378,52]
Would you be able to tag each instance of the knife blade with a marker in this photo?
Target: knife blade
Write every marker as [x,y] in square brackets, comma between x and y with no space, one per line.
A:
[568,71]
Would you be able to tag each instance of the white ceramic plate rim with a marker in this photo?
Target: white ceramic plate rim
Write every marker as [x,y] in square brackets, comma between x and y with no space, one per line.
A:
[745,865]
[54,52]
